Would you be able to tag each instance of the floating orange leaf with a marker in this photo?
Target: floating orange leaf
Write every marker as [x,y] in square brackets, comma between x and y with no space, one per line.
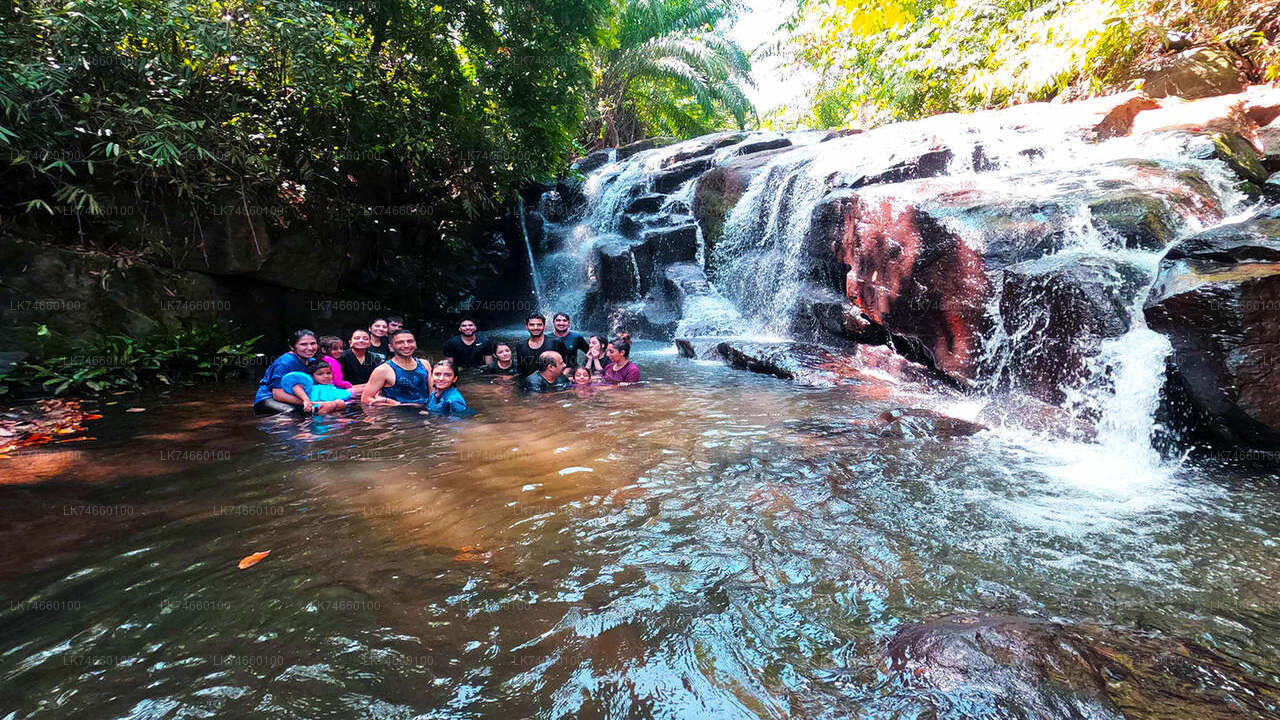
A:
[254,559]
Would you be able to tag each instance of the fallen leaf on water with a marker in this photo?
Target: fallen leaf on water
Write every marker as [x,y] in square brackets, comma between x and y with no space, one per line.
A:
[136,410]
[254,559]
[472,553]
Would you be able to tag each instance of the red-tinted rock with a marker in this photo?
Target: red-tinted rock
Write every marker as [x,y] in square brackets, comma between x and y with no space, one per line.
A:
[922,256]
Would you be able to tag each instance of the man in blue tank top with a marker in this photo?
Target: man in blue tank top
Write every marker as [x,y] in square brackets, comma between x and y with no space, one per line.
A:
[404,379]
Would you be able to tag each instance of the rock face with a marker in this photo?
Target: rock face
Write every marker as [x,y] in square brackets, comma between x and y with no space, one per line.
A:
[1063,307]
[1217,299]
[926,259]
[1195,73]
[83,294]
[1052,670]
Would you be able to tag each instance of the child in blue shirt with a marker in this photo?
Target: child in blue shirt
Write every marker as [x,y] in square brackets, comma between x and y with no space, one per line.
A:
[444,398]
[316,390]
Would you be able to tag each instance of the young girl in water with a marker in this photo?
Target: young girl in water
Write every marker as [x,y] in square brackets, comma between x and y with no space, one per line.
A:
[581,377]
[330,350]
[444,398]
[316,390]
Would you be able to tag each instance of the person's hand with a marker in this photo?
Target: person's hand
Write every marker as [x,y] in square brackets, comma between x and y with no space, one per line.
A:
[308,406]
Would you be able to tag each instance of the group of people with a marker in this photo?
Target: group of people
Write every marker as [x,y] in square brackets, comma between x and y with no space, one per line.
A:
[381,367]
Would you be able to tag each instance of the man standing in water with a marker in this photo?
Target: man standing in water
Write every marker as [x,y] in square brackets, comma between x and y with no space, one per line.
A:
[468,349]
[550,376]
[527,352]
[403,379]
[568,344]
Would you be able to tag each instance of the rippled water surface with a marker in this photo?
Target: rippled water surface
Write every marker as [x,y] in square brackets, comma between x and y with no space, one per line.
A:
[710,544]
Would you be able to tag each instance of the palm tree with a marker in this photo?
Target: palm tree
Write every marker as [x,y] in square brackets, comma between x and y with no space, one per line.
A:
[666,69]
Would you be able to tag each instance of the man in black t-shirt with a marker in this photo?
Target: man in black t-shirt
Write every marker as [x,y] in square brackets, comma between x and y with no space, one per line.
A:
[527,351]
[468,349]
[568,344]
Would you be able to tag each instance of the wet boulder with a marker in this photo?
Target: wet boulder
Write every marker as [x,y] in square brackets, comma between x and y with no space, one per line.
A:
[994,663]
[1195,73]
[804,363]
[916,423]
[924,258]
[1228,147]
[613,268]
[720,189]
[640,146]
[1269,146]
[674,243]
[650,203]
[669,180]
[1060,308]
[1217,299]
[592,161]
[749,148]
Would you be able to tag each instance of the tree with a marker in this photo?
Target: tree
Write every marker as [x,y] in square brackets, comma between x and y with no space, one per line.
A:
[665,67]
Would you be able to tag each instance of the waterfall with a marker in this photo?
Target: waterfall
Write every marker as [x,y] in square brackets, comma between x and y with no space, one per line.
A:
[534,271]
[1014,250]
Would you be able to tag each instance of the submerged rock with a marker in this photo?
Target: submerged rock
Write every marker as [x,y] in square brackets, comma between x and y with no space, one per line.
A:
[1042,670]
[914,423]
[1217,299]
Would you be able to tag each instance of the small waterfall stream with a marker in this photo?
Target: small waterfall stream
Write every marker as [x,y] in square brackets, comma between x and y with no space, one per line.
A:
[1059,231]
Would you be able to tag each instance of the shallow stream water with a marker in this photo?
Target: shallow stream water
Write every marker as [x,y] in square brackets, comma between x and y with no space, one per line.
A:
[710,544]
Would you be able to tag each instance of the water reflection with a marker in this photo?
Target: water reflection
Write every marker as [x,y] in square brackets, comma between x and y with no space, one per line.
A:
[709,544]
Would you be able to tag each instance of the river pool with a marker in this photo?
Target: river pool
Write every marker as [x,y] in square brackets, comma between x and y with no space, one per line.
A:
[712,543]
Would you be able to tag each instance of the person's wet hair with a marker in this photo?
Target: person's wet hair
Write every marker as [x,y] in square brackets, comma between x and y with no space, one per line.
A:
[395,318]
[298,335]
[392,337]
[502,344]
[535,316]
[322,367]
[622,344]
[328,342]
[375,321]
[557,316]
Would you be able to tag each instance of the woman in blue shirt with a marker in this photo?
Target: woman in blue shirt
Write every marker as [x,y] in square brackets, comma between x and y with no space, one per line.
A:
[271,398]
[444,398]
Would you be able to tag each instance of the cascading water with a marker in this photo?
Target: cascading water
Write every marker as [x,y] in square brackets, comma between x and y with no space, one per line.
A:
[535,272]
[1050,217]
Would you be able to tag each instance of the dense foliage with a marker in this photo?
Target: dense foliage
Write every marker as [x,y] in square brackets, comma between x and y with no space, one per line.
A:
[889,60]
[134,125]
[665,67]
[204,353]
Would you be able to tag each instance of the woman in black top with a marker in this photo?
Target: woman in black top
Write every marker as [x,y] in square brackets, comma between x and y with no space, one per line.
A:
[359,360]
[502,362]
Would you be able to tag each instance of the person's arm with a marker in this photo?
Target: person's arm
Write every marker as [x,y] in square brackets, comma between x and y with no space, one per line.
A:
[488,352]
[300,393]
[284,396]
[372,392]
